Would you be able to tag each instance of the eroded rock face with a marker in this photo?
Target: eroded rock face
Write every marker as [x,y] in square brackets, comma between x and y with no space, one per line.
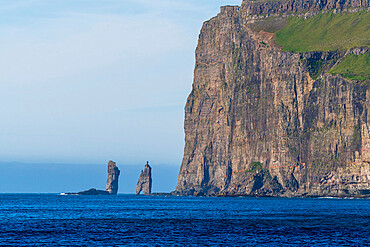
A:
[112,181]
[144,183]
[260,121]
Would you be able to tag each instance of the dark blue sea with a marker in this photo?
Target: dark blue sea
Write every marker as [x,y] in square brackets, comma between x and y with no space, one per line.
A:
[128,220]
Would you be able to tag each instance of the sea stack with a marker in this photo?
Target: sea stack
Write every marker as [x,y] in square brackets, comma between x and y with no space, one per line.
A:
[145,181]
[112,181]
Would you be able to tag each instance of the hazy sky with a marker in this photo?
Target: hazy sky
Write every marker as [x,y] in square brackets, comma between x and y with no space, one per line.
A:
[85,81]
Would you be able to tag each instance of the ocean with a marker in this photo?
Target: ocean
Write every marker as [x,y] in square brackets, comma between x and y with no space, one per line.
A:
[128,220]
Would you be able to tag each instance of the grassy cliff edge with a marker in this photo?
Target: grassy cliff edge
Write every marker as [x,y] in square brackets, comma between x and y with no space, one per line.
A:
[326,32]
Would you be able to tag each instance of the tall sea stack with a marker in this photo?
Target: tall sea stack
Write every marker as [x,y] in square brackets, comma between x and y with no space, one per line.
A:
[112,181]
[267,120]
[144,183]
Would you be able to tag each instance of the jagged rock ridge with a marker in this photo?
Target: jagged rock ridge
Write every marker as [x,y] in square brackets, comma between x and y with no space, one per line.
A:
[144,183]
[258,123]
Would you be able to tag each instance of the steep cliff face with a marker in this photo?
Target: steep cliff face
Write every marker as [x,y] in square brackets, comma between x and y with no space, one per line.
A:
[260,121]
[112,180]
[144,183]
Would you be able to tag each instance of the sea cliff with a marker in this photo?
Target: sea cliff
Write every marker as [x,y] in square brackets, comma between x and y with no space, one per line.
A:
[265,121]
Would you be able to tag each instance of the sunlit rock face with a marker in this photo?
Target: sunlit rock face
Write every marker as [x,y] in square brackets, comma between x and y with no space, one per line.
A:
[260,121]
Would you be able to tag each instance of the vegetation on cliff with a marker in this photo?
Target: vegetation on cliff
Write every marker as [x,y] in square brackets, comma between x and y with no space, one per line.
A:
[354,67]
[325,32]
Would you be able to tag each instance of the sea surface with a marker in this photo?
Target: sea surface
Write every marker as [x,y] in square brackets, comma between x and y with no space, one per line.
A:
[128,220]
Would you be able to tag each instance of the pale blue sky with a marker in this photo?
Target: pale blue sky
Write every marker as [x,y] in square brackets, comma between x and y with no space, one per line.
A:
[85,81]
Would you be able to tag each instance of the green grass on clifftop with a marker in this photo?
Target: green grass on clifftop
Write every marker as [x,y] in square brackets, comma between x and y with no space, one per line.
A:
[354,67]
[326,32]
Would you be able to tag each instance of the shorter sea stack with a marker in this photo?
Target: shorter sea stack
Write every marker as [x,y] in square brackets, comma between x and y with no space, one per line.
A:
[145,181]
[112,183]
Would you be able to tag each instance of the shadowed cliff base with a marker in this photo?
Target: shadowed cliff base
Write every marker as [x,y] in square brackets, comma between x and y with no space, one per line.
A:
[262,120]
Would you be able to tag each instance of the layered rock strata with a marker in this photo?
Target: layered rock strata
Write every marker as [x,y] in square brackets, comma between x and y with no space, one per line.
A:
[263,7]
[144,184]
[258,122]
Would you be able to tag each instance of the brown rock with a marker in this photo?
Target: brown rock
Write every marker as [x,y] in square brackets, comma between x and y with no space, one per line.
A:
[259,122]
[144,183]
[112,181]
